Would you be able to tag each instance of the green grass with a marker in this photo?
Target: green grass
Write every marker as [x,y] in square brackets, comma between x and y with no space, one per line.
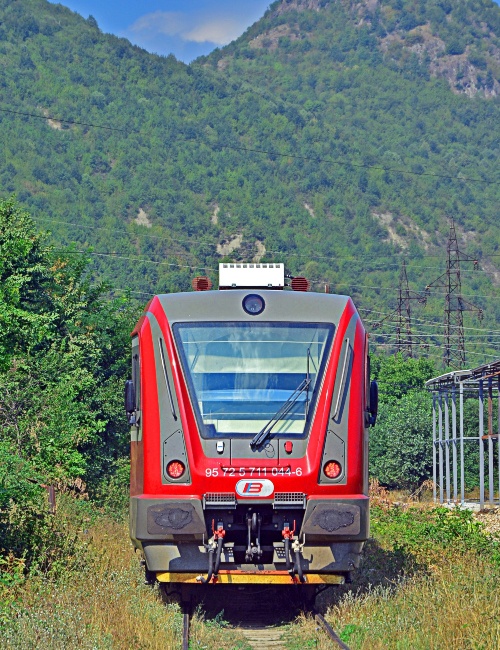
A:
[429,580]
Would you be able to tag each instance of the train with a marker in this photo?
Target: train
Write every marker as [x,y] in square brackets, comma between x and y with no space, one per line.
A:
[249,408]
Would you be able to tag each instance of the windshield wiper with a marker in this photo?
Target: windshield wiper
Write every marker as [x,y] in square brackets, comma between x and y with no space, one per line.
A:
[283,411]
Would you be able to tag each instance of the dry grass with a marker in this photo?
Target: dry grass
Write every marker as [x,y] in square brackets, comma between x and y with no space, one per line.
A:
[413,597]
[428,582]
[384,498]
[104,605]
[455,608]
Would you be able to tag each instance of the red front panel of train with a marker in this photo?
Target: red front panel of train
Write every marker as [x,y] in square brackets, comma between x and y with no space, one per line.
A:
[247,476]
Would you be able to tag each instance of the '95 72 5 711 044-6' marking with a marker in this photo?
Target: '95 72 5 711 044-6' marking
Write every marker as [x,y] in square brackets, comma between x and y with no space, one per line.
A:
[252,471]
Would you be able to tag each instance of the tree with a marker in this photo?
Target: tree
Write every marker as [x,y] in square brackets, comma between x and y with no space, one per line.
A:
[401,442]
[25,315]
[396,375]
[63,355]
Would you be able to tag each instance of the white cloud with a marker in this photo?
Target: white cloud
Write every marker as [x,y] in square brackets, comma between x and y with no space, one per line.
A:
[170,23]
[200,30]
[221,32]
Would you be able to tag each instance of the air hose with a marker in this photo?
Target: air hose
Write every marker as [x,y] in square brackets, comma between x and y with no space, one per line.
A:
[220,542]
[210,567]
[289,566]
[298,566]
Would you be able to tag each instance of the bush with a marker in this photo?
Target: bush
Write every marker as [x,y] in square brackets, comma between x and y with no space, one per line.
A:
[427,533]
[401,443]
[112,494]
[455,47]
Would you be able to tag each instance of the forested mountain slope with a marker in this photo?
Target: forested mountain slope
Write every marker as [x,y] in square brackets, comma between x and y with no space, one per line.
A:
[338,137]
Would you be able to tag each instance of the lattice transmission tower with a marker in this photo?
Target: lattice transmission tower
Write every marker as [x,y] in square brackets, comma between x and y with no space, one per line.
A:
[405,338]
[455,303]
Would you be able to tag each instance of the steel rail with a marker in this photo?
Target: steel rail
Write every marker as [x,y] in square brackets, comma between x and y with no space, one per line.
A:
[185,626]
[327,628]
[330,632]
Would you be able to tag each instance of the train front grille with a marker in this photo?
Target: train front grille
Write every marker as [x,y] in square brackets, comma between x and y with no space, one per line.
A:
[289,500]
[222,500]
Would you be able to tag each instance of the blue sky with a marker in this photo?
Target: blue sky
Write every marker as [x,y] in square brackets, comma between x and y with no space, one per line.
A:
[186,28]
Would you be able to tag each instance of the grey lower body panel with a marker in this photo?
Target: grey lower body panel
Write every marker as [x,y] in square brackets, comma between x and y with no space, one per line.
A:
[171,534]
[339,519]
[166,520]
[340,557]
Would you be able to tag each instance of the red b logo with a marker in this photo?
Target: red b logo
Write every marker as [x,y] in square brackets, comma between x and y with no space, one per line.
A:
[252,488]
[262,488]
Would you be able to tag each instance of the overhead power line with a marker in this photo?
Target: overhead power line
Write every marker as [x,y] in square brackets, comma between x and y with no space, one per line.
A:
[358,165]
[422,333]
[136,259]
[197,242]
[63,121]
[394,289]
[430,345]
[476,354]
[214,270]
[428,322]
[221,145]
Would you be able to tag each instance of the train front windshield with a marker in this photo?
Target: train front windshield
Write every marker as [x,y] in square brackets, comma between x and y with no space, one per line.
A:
[240,375]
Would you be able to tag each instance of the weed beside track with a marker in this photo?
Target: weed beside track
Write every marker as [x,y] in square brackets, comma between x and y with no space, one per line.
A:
[429,580]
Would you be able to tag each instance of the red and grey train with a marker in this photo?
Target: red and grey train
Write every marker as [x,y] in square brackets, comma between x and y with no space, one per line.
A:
[249,409]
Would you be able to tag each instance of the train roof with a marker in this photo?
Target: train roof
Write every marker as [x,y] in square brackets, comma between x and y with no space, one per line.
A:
[262,284]
[283,306]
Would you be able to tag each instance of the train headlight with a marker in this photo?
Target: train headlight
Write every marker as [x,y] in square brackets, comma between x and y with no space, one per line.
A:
[253,304]
[175,469]
[332,469]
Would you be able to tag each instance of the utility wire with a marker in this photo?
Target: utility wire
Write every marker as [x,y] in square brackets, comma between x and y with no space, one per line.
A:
[439,347]
[278,154]
[432,354]
[136,259]
[357,165]
[58,119]
[332,257]
[423,333]
[126,232]
[430,322]
[366,286]
[207,268]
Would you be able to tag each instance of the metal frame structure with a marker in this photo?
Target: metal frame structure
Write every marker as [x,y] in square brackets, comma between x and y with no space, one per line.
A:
[448,435]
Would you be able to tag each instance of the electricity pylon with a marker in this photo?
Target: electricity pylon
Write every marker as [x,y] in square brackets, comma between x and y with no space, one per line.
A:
[402,315]
[455,304]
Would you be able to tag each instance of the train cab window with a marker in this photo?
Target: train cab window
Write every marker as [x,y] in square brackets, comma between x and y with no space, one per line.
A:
[241,374]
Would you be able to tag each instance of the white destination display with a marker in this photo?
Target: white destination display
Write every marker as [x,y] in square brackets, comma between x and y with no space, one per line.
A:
[266,276]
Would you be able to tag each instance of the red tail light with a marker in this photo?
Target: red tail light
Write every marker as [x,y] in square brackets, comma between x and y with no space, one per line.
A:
[332,469]
[175,469]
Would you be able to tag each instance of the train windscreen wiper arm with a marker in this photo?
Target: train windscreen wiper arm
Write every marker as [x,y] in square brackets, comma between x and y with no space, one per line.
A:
[283,411]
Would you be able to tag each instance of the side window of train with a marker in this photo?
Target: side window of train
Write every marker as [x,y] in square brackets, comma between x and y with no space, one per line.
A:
[136,378]
[371,396]
[342,381]
[133,388]
[367,383]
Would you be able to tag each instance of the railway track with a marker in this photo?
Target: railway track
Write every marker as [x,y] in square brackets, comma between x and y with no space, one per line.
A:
[261,624]
[332,635]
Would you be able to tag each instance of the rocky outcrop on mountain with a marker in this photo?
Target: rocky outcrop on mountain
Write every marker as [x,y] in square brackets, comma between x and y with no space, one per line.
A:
[457,40]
